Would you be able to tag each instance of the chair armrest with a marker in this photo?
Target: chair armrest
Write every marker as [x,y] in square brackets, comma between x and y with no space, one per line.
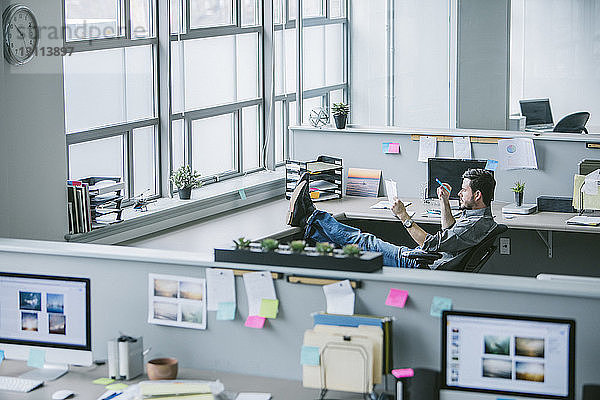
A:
[421,256]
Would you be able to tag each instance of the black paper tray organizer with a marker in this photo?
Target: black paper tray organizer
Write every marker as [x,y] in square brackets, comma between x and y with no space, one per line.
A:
[325,177]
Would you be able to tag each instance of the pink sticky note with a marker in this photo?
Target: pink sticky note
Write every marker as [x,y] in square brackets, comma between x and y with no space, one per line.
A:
[254,321]
[396,298]
[394,148]
[403,373]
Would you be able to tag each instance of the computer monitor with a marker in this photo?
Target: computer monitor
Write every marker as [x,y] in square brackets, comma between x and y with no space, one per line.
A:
[46,318]
[448,170]
[484,355]
[536,112]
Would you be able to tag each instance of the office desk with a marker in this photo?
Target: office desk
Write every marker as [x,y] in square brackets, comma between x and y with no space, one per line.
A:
[79,380]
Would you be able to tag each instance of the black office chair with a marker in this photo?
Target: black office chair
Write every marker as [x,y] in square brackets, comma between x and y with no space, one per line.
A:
[573,123]
[473,261]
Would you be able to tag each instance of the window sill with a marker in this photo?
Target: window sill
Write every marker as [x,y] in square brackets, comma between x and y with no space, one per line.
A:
[206,201]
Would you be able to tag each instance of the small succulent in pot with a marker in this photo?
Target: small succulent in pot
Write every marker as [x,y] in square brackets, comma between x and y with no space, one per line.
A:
[297,246]
[242,243]
[269,244]
[351,250]
[324,248]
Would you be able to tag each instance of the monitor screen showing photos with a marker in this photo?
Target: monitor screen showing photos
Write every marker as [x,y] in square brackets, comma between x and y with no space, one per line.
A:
[45,311]
[508,354]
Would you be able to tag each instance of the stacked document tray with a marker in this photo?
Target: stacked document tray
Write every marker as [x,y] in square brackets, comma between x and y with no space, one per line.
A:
[325,177]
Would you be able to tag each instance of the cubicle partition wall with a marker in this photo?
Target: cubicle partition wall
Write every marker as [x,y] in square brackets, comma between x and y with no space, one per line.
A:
[119,282]
[558,156]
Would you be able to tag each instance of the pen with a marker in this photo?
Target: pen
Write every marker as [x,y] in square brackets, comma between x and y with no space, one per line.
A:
[442,185]
[112,395]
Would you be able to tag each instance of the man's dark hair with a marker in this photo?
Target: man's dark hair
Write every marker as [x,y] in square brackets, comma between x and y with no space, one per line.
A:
[482,180]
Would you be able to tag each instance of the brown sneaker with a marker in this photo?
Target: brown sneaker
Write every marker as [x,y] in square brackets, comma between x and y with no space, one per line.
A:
[301,205]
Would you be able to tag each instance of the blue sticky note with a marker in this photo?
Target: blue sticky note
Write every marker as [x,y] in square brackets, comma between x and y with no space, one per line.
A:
[37,358]
[226,311]
[385,147]
[310,356]
[491,165]
[242,193]
[1,356]
[438,305]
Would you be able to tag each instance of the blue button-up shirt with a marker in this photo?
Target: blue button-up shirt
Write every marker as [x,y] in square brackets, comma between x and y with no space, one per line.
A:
[454,243]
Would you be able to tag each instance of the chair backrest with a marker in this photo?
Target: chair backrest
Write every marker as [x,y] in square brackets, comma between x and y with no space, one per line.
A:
[474,260]
[573,123]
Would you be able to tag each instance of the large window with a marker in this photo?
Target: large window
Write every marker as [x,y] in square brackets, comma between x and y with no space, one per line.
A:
[110,92]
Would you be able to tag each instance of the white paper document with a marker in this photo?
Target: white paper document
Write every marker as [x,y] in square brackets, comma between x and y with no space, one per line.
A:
[253,396]
[391,188]
[462,147]
[590,183]
[384,204]
[584,220]
[340,298]
[220,287]
[259,285]
[427,147]
[517,154]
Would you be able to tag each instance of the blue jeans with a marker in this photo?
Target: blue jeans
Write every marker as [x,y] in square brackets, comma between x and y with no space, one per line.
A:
[322,227]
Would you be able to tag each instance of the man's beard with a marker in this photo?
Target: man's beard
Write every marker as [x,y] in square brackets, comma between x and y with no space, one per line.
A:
[465,205]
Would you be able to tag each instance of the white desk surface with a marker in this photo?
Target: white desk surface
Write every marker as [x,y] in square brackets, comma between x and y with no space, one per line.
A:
[79,380]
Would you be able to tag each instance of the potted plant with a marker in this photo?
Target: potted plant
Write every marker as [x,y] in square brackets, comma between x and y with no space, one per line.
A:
[340,114]
[324,248]
[297,246]
[242,243]
[518,189]
[185,179]
[351,250]
[269,244]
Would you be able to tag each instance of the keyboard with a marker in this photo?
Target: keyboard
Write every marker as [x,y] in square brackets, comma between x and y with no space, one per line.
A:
[18,384]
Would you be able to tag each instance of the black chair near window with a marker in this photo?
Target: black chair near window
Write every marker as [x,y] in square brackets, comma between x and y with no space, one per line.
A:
[573,123]
[473,261]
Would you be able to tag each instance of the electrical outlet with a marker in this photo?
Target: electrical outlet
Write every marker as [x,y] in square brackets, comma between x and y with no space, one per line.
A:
[504,245]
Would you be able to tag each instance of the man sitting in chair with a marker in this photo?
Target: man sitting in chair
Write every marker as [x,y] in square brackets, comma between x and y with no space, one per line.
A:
[452,241]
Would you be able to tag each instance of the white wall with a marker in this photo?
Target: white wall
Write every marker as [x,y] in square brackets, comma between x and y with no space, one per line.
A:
[32,140]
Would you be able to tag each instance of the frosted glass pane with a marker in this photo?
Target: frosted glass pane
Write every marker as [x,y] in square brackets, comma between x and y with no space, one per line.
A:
[292,114]
[279,62]
[205,13]
[308,105]
[310,8]
[250,137]
[292,9]
[334,54]
[94,89]
[144,165]
[103,157]
[279,130]
[422,64]
[213,145]
[91,19]
[250,13]
[140,82]
[277,11]
[314,57]
[337,8]
[176,16]
[141,17]
[177,143]
[176,77]
[290,60]
[559,56]
[209,71]
[247,66]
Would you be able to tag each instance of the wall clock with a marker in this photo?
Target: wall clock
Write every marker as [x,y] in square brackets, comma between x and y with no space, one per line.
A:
[21,34]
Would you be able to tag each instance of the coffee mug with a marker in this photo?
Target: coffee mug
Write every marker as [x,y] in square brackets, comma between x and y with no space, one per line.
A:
[162,368]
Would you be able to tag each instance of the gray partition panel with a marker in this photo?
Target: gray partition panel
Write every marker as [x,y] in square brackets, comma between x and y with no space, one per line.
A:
[119,303]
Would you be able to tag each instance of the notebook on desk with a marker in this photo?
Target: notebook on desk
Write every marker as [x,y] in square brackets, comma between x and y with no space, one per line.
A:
[584,220]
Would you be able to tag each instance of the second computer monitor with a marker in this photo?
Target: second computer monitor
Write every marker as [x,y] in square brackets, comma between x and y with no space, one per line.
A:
[448,170]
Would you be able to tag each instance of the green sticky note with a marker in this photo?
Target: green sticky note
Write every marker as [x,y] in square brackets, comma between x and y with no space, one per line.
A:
[268,308]
[438,305]
[310,355]
[226,311]
[117,386]
[242,193]
[103,381]
[37,358]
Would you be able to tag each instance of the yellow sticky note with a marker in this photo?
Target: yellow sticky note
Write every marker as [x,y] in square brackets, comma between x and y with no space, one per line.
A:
[103,381]
[117,386]
[268,308]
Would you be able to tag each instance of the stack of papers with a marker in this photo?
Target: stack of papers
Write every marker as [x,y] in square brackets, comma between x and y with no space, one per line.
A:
[584,220]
